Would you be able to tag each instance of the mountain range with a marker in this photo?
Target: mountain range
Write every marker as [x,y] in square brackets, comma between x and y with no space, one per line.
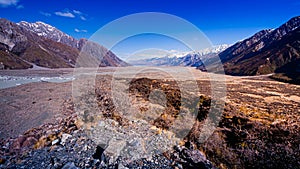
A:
[277,51]
[270,51]
[193,59]
[24,45]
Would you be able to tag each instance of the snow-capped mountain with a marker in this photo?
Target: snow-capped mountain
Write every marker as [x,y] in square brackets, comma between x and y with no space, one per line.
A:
[175,58]
[213,49]
[24,45]
[45,30]
[20,48]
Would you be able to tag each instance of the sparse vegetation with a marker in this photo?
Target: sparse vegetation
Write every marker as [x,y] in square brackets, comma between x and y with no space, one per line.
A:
[258,127]
[11,61]
[287,78]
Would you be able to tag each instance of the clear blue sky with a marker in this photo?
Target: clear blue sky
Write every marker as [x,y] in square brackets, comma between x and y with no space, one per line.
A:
[223,21]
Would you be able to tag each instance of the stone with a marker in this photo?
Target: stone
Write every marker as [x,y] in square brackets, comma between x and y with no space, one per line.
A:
[65,137]
[115,147]
[18,142]
[30,141]
[190,158]
[69,165]
[56,141]
[122,167]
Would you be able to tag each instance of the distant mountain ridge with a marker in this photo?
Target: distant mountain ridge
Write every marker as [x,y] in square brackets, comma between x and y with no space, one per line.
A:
[26,44]
[267,51]
[193,59]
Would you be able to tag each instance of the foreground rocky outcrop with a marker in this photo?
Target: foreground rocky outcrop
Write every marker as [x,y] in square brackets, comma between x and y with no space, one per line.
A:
[63,145]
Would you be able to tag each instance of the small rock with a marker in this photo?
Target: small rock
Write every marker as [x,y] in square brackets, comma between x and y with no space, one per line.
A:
[122,167]
[190,158]
[69,165]
[18,142]
[29,141]
[64,138]
[57,165]
[56,141]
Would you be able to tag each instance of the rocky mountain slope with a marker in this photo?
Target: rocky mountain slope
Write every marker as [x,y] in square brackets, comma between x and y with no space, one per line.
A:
[25,44]
[50,32]
[266,52]
[26,47]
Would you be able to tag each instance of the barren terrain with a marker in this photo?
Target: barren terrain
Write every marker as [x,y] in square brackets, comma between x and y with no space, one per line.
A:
[258,125]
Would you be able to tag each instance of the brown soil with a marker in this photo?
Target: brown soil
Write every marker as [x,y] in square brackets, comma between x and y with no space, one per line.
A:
[259,125]
[31,105]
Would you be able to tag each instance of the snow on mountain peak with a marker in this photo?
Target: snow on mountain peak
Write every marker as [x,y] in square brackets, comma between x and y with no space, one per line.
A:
[42,29]
[50,32]
[212,50]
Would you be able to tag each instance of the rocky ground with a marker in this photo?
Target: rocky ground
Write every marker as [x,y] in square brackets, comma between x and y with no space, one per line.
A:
[65,145]
[257,129]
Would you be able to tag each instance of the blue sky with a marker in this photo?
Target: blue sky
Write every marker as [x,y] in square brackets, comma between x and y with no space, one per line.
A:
[221,21]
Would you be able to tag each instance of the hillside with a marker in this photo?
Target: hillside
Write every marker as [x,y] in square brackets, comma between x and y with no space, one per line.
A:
[23,45]
[268,51]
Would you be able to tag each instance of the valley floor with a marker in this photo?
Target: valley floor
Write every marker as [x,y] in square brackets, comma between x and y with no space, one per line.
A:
[258,126]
